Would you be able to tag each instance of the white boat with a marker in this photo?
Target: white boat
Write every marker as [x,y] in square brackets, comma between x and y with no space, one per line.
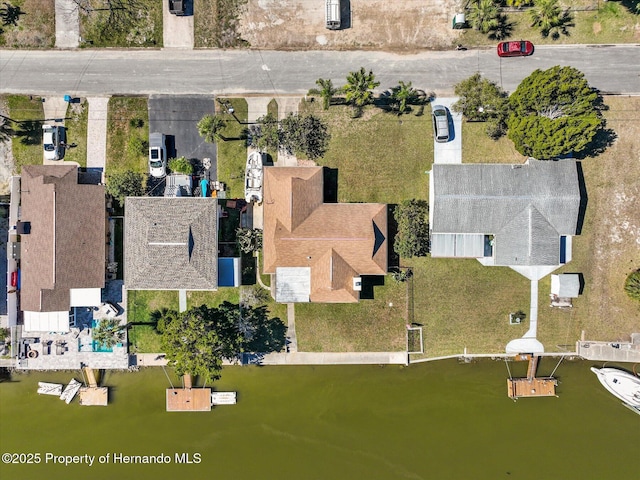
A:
[223,398]
[253,178]
[70,390]
[623,385]
[45,388]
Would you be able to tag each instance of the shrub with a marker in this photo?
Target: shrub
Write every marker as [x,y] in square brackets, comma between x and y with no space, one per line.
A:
[632,285]
[137,146]
[412,239]
[181,165]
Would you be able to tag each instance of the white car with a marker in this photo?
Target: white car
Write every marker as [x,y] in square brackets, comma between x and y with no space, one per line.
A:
[157,155]
[53,141]
[440,116]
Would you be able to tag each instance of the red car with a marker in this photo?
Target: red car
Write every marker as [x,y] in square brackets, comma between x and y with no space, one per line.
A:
[520,48]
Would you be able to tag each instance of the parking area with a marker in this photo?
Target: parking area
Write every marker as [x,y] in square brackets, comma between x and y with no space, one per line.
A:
[451,151]
[176,117]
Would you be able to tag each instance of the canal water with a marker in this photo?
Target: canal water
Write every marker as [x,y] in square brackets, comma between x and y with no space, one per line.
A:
[436,420]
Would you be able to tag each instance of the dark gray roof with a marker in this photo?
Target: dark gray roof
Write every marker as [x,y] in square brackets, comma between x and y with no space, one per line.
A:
[526,207]
[171,243]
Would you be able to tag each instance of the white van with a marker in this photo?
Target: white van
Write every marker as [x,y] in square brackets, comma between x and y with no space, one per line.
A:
[332,14]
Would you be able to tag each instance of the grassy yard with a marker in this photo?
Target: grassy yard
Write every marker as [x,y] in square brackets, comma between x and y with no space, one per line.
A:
[376,324]
[232,153]
[463,304]
[76,125]
[380,157]
[27,114]
[612,23]
[143,337]
[138,24]
[216,22]
[35,27]
[126,142]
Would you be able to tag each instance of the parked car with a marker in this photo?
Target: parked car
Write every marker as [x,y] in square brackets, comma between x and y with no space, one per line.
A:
[53,141]
[157,155]
[520,48]
[177,7]
[440,116]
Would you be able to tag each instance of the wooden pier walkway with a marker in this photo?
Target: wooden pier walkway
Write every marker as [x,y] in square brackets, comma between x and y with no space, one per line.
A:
[531,386]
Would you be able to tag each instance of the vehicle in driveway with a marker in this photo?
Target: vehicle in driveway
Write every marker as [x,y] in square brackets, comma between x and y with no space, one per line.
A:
[157,155]
[177,7]
[53,141]
[440,117]
[519,48]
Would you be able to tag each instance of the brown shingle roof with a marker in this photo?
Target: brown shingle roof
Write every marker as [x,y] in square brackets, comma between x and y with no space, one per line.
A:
[337,240]
[66,245]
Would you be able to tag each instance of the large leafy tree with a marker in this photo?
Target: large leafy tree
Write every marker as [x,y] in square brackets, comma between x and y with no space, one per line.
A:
[554,112]
[412,238]
[484,15]
[359,89]
[210,128]
[482,100]
[197,341]
[307,135]
[125,184]
[267,134]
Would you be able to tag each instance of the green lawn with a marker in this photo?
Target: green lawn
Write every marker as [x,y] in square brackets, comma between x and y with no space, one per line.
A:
[232,153]
[139,24]
[76,125]
[477,147]
[612,23]
[376,324]
[27,115]
[123,138]
[380,157]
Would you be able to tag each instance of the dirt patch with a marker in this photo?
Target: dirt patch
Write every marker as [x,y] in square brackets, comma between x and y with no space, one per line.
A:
[613,231]
[597,28]
[6,155]
[367,24]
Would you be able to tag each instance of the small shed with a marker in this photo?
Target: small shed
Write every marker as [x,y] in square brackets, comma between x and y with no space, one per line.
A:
[564,287]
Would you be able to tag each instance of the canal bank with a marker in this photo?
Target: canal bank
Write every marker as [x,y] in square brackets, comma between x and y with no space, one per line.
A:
[442,420]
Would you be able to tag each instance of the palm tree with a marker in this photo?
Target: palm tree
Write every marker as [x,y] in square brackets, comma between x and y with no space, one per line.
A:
[403,95]
[359,89]
[546,15]
[326,91]
[108,333]
[210,128]
[484,15]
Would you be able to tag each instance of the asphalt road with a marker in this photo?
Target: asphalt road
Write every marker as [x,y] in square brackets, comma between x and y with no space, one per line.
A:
[612,69]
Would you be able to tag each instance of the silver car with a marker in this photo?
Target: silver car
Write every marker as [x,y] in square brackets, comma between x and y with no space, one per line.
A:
[157,155]
[440,116]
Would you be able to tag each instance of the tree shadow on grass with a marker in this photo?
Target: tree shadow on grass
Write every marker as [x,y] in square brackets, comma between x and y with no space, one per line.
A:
[29,132]
[602,140]
[502,30]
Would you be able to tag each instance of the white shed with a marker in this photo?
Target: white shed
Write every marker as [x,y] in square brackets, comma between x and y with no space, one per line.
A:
[566,285]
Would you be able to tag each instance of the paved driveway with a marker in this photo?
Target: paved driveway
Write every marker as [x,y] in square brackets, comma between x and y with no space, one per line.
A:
[176,117]
[451,151]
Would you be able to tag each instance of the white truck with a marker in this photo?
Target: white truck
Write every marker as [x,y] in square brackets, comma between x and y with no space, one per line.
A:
[332,14]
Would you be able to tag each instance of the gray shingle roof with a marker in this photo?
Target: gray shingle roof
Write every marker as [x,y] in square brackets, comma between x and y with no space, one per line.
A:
[526,207]
[171,243]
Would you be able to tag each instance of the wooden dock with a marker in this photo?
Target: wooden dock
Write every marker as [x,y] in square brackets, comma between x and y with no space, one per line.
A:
[188,399]
[93,395]
[531,386]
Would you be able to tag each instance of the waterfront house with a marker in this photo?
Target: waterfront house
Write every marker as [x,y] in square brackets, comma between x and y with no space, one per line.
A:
[501,214]
[171,243]
[317,251]
[62,231]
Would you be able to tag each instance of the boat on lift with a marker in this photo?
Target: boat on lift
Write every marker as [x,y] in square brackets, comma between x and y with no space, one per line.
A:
[624,385]
[253,178]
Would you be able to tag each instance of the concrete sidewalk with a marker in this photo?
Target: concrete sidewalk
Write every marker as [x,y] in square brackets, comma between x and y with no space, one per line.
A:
[67,24]
[97,132]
